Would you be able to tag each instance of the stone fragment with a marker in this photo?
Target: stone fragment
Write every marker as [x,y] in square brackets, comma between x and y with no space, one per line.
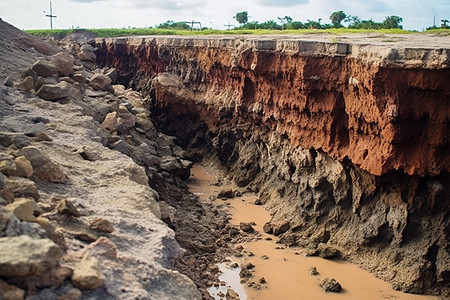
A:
[232,295]
[112,74]
[103,249]
[313,271]
[2,181]
[23,209]
[38,83]
[23,167]
[87,53]
[100,82]
[22,187]
[10,292]
[110,122]
[63,63]
[268,228]
[24,256]
[8,81]
[44,69]
[280,227]
[101,224]
[177,167]
[13,138]
[246,227]
[330,285]
[143,121]
[79,77]
[87,275]
[27,84]
[42,137]
[55,91]
[326,251]
[225,194]
[43,167]
[71,294]
[66,207]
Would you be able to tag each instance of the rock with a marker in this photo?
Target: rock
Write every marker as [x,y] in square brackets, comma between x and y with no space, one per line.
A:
[119,90]
[87,275]
[280,227]
[41,137]
[125,120]
[23,167]
[38,83]
[71,294]
[63,63]
[87,54]
[225,194]
[24,256]
[110,122]
[101,224]
[56,91]
[246,227]
[80,77]
[2,181]
[24,209]
[10,292]
[232,295]
[112,74]
[7,165]
[100,82]
[313,271]
[8,81]
[176,167]
[44,69]
[102,249]
[144,122]
[27,84]
[12,138]
[330,285]
[268,228]
[43,167]
[22,187]
[326,251]
[262,280]
[66,207]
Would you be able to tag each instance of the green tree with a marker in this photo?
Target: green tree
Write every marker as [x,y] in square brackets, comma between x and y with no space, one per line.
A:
[337,17]
[173,25]
[444,23]
[241,17]
[285,21]
[392,22]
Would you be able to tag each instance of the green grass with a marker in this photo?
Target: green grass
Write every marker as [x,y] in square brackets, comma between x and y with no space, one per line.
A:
[115,32]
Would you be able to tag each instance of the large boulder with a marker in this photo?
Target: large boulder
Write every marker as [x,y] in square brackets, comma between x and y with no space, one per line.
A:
[44,69]
[55,91]
[23,256]
[63,63]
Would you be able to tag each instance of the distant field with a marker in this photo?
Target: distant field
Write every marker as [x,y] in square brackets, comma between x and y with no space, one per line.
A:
[114,32]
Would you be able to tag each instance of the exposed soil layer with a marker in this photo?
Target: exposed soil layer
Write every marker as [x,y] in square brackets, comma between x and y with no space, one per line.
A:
[345,142]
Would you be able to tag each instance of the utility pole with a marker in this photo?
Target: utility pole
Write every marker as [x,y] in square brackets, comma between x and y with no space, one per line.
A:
[51,16]
[229,26]
[192,24]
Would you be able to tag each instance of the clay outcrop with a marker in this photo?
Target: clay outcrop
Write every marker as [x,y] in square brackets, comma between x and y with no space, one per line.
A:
[344,141]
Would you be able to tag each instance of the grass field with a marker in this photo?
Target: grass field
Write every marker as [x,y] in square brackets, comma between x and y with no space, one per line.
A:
[114,32]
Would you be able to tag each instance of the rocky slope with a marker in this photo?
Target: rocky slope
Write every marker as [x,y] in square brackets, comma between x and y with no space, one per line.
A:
[83,177]
[346,141]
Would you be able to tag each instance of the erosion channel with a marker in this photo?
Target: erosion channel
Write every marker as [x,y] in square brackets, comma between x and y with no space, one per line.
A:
[344,140]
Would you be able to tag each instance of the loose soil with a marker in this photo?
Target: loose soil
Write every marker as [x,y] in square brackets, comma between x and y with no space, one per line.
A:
[287,270]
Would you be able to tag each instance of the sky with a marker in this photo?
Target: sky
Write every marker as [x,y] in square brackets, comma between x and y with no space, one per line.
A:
[30,14]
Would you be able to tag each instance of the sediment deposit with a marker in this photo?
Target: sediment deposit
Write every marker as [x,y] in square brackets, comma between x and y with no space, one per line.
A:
[346,141]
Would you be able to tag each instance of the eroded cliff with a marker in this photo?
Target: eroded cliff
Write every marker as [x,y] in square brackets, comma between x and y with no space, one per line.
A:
[346,141]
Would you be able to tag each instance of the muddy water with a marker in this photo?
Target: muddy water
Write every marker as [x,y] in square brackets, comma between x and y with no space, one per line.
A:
[286,270]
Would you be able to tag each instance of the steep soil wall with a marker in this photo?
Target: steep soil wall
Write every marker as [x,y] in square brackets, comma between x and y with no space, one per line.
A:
[347,142]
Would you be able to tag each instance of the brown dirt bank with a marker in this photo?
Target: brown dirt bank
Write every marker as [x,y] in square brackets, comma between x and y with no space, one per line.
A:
[344,140]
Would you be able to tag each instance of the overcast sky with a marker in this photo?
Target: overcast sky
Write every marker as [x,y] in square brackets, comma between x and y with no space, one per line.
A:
[29,14]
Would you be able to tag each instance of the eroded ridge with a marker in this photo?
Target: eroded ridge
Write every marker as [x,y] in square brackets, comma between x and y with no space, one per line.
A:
[345,140]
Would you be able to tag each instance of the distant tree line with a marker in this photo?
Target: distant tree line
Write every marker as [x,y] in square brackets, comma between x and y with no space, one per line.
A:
[337,18]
